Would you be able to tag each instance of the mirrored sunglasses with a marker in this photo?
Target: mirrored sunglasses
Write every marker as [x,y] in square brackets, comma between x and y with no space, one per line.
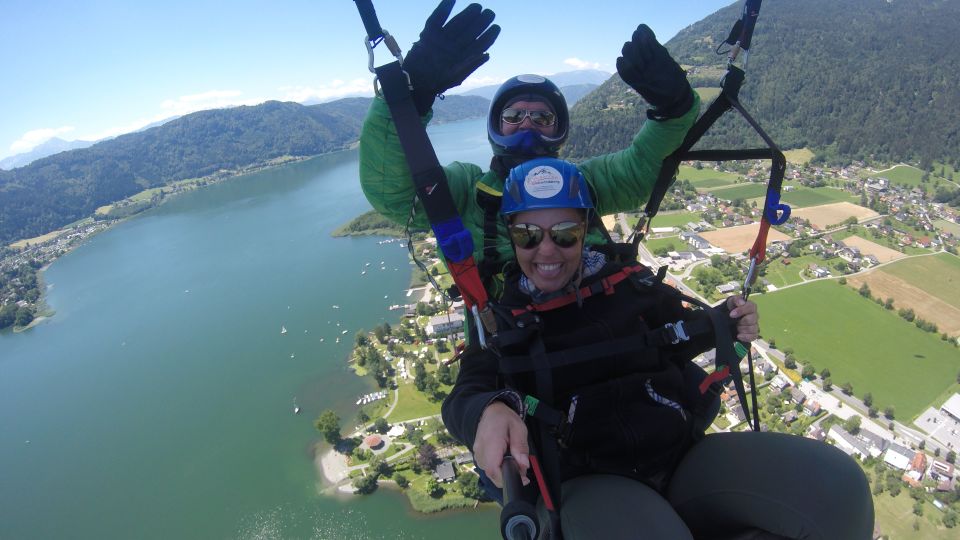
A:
[564,234]
[515,116]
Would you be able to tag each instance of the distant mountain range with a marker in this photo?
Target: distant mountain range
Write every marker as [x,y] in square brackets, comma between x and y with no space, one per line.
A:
[573,84]
[59,189]
[850,80]
[48,148]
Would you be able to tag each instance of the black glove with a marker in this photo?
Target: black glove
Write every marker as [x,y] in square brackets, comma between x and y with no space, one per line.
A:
[650,70]
[446,54]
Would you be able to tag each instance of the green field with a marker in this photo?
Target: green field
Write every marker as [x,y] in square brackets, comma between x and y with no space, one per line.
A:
[938,275]
[675,219]
[781,275]
[832,326]
[900,174]
[412,404]
[802,197]
[675,241]
[706,177]
[947,226]
[741,191]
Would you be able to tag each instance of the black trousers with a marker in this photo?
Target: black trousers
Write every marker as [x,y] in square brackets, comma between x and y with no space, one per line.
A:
[730,486]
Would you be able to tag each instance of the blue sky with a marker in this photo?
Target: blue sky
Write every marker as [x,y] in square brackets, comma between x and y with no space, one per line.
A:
[87,69]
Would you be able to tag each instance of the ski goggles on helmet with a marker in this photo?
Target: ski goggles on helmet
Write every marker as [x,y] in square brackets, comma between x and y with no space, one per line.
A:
[564,234]
[514,116]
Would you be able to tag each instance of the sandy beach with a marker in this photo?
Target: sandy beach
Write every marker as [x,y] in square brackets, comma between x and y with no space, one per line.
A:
[332,465]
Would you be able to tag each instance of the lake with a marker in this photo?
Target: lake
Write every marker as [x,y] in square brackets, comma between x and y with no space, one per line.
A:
[157,402]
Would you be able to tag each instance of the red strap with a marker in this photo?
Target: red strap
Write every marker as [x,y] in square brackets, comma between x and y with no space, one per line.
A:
[467,278]
[541,483]
[608,283]
[759,249]
[716,376]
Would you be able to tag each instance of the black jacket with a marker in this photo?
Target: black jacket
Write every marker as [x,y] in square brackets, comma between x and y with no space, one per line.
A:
[606,412]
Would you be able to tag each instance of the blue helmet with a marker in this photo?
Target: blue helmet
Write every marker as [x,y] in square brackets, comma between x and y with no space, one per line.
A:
[544,183]
[527,143]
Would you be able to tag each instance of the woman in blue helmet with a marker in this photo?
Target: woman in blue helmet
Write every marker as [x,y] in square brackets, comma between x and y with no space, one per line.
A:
[567,371]
[528,118]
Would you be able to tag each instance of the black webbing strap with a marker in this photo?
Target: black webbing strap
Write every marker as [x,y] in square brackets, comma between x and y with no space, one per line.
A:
[370,22]
[660,337]
[547,446]
[428,176]
[490,204]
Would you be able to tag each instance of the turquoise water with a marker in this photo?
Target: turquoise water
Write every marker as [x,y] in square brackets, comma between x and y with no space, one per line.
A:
[157,402]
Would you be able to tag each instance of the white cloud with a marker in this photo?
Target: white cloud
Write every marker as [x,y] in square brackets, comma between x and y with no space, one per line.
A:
[325,92]
[213,99]
[36,137]
[577,63]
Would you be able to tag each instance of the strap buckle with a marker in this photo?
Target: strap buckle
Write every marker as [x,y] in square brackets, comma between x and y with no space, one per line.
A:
[481,329]
[678,332]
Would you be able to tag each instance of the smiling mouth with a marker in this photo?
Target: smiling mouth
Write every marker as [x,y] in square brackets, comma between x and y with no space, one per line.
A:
[548,269]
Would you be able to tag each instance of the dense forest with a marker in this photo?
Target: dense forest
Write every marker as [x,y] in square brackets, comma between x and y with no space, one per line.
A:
[60,189]
[850,80]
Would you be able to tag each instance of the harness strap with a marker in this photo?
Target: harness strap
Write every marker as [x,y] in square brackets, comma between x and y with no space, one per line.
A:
[604,285]
[669,334]
[489,200]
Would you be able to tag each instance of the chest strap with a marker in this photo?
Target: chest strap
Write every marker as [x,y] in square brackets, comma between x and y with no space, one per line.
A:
[603,285]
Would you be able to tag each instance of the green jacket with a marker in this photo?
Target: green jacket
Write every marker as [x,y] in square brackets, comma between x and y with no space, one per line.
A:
[621,181]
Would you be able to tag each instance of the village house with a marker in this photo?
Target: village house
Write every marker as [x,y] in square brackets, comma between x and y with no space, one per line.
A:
[849,444]
[695,240]
[898,456]
[444,472]
[914,473]
[876,444]
[942,473]
[797,395]
[811,408]
[441,325]
[816,433]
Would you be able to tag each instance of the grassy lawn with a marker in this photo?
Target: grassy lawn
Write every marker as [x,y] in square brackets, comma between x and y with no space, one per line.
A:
[803,197]
[676,219]
[894,518]
[706,177]
[938,275]
[900,174]
[781,275]
[674,241]
[412,404]
[423,502]
[799,156]
[832,326]
[740,191]
[947,226]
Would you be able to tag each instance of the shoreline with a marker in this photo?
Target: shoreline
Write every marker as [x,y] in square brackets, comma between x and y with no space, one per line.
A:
[45,312]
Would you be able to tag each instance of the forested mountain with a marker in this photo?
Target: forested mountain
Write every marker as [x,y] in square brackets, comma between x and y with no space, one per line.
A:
[848,79]
[59,189]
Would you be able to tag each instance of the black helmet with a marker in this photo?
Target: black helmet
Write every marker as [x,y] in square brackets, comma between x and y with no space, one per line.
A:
[527,143]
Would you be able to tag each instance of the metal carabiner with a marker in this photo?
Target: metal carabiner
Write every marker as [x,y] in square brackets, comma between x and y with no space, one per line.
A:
[751,277]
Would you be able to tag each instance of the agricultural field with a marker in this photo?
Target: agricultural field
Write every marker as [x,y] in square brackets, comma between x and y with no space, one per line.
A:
[869,247]
[740,191]
[802,197]
[895,518]
[826,215]
[740,238]
[706,177]
[936,276]
[832,326]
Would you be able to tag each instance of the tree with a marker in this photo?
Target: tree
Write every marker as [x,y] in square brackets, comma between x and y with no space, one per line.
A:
[847,388]
[789,362]
[427,456]
[328,423]
[379,466]
[951,456]
[918,510]
[361,339]
[824,373]
[380,425]
[827,384]
[24,316]
[469,485]
[434,488]
[401,480]
[852,425]
[888,412]
[868,399]
[444,374]
[808,371]
[366,484]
